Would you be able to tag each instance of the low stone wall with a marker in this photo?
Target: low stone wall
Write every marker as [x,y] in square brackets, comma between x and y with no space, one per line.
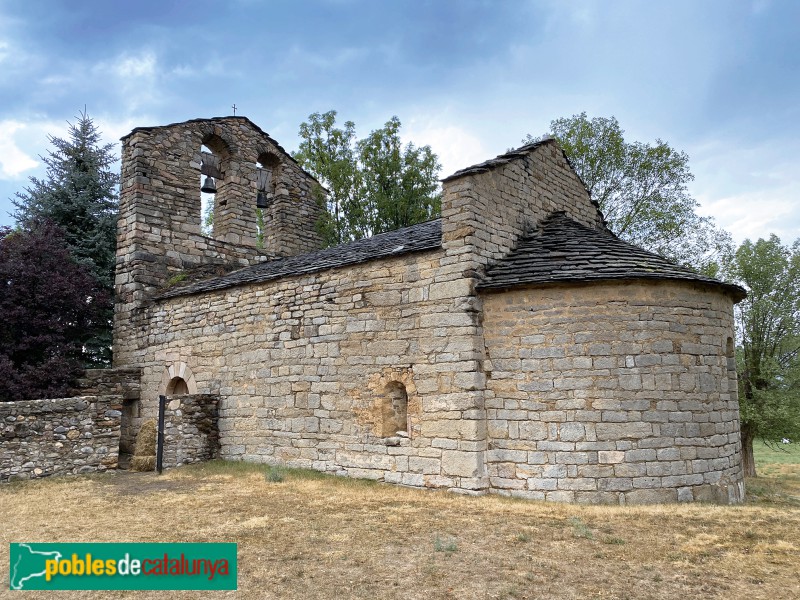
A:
[190,429]
[119,381]
[60,436]
[109,382]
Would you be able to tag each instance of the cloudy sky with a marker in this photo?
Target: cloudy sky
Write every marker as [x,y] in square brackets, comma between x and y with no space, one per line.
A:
[719,80]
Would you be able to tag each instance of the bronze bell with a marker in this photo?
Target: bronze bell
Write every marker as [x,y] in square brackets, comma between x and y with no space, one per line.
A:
[261,200]
[209,187]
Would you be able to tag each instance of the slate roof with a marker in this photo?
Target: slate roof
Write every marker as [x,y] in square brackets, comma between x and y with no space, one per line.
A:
[416,238]
[562,250]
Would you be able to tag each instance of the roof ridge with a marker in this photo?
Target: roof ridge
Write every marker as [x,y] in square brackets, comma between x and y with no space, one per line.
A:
[500,159]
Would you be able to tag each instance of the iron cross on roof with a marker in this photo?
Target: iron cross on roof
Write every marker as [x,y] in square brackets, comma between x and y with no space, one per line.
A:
[234,109]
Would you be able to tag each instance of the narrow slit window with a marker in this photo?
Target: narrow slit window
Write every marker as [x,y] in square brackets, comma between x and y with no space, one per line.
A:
[395,409]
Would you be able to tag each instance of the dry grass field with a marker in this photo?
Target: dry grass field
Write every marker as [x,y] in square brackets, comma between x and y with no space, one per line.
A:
[305,535]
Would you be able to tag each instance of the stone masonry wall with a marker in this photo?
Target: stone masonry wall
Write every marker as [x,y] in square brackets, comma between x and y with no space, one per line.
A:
[61,436]
[109,382]
[302,366]
[486,213]
[617,392]
[119,381]
[159,233]
[191,431]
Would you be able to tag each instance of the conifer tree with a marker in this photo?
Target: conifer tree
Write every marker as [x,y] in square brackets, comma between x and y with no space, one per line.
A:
[79,195]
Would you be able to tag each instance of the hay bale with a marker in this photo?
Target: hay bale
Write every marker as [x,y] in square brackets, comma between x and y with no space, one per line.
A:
[143,463]
[144,453]
[146,439]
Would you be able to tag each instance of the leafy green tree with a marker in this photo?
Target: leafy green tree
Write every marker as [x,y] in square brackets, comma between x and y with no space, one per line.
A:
[642,191]
[328,152]
[401,182]
[768,332]
[79,195]
[374,184]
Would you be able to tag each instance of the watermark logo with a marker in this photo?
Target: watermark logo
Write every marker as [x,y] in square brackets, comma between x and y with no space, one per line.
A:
[85,566]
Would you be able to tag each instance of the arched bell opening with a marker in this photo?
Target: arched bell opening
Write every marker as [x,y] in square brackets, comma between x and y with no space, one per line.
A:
[214,154]
[267,167]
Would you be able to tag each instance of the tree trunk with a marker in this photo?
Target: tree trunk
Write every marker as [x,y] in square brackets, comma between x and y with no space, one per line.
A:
[748,462]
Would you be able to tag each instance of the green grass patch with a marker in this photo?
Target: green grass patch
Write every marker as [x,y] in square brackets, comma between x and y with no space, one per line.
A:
[772,453]
[613,540]
[580,529]
[778,474]
[448,545]
[275,474]
[761,490]
[223,467]
[176,279]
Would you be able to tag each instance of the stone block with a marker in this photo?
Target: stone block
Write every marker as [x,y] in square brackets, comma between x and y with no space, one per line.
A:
[533,430]
[462,464]
[668,454]
[578,484]
[560,496]
[542,484]
[647,360]
[502,455]
[425,466]
[610,457]
[554,471]
[615,484]
[651,496]
[630,382]
[621,431]
[571,432]
[450,289]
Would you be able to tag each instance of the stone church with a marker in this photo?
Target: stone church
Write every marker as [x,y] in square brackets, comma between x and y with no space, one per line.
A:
[512,346]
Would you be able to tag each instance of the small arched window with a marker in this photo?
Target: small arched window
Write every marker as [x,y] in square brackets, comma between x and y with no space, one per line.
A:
[394,409]
[177,387]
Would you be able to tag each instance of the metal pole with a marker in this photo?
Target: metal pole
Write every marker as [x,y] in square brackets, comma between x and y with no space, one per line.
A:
[162,401]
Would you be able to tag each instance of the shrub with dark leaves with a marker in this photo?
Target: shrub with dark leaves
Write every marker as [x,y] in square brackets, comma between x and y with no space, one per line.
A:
[48,306]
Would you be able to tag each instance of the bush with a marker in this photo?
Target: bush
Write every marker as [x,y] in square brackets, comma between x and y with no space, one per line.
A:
[48,305]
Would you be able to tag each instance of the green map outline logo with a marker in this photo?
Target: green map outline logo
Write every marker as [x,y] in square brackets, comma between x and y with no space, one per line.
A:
[13,576]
